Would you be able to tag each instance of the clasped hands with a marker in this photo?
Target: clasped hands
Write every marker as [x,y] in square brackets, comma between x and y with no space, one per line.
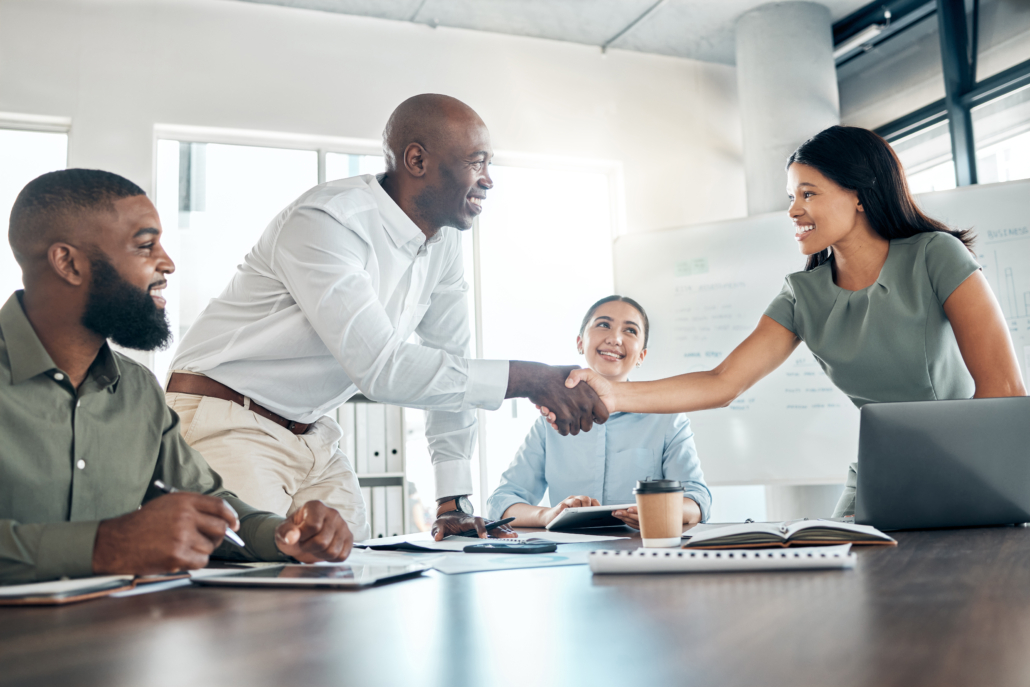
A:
[179,531]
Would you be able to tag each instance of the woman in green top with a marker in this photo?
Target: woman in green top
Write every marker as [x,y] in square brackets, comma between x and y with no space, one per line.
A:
[891,302]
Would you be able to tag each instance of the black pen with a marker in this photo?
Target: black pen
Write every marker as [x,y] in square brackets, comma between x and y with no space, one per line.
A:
[229,534]
[489,526]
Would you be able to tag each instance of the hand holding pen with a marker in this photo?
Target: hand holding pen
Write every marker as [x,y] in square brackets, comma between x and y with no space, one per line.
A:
[229,534]
[167,534]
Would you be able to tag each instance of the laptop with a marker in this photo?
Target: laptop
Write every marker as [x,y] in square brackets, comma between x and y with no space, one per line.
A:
[930,464]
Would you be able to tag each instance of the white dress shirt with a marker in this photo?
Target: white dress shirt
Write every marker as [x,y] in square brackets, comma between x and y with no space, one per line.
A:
[323,306]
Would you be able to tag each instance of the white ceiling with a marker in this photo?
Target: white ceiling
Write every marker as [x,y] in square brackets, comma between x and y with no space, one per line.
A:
[698,29]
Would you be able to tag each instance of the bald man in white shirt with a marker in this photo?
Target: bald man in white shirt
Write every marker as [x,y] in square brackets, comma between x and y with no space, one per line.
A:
[322,308]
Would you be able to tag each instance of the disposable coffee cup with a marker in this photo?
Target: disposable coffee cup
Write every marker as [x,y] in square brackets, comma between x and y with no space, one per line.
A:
[660,509]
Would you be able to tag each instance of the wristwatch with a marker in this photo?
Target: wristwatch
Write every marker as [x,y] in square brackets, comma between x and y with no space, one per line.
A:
[462,504]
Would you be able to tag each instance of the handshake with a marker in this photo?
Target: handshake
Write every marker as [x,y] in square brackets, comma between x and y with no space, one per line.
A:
[573,409]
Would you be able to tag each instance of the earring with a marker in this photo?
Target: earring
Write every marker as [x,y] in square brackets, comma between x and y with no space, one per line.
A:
[638,364]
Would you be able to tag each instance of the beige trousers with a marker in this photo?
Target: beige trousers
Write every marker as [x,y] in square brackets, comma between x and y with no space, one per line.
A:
[268,466]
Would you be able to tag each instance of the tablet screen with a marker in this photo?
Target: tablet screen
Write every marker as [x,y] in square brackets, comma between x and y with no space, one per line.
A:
[315,575]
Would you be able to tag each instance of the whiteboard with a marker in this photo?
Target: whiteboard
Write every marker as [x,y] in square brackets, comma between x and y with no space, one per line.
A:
[705,288]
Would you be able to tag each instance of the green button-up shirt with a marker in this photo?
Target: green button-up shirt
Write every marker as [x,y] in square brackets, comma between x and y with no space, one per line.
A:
[70,458]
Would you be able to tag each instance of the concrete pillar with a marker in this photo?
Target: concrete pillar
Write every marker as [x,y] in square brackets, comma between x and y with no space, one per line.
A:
[787,84]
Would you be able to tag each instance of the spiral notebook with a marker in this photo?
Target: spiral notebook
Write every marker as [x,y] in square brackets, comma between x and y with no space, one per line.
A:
[754,560]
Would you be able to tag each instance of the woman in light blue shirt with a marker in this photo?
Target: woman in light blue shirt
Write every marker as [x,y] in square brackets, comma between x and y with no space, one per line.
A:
[602,466]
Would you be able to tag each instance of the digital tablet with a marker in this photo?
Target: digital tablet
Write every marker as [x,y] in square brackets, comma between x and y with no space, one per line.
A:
[588,516]
[330,576]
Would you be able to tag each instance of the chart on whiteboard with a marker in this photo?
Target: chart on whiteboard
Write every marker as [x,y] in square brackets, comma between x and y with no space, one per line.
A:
[999,215]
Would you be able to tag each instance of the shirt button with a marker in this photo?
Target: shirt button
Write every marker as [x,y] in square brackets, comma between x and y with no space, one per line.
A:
[81,465]
[58,376]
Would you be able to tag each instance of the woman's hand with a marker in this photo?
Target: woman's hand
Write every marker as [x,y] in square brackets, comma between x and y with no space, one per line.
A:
[601,386]
[629,517]
[691,514]
[551,513]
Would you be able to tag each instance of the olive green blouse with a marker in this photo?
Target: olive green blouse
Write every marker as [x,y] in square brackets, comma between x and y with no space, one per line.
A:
[890,341]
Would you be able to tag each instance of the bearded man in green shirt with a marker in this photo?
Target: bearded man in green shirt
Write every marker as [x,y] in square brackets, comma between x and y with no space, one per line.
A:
[85,431]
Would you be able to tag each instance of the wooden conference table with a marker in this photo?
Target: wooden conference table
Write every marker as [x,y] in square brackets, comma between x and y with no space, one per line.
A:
[943,608]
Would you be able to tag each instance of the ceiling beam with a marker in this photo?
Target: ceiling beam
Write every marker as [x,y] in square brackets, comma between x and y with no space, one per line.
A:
[632,25]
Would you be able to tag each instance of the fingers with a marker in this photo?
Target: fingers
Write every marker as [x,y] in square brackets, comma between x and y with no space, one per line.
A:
[315,532]
[600,411]
[577,376]
[595,502]
[480,527]
[212,528]
[503,532]
[212,505]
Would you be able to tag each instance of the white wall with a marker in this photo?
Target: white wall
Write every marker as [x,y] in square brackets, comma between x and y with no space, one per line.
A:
[118,67]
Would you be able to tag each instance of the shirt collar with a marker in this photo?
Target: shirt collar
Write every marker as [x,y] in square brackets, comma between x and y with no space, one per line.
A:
[29,358]
[398,225]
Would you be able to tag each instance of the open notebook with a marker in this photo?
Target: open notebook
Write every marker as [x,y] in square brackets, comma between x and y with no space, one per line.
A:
[71,591]
[788,533]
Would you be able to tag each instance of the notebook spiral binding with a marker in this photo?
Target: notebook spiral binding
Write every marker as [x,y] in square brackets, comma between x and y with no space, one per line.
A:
[645,560]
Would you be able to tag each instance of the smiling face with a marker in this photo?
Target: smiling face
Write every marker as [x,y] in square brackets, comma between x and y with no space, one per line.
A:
[130,240]
[128,267]
[456,185]
[822,211]
[613,340]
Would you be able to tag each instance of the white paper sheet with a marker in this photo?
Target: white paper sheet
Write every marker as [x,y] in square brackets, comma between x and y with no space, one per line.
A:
[480,562]
[424,541]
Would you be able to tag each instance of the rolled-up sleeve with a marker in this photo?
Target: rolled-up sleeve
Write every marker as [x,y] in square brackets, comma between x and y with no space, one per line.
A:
[680,462]
[36,552]
[525,479]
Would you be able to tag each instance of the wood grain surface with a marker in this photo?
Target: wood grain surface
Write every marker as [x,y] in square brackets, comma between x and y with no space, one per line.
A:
[943,608]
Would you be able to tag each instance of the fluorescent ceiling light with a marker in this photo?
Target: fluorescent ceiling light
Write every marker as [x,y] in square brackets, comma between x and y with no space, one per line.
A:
[858,40]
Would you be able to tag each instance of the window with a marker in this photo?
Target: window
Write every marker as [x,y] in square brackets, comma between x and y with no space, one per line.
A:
[545,255]
[1002,130]
[215,200]
[926,158]
[25,155]
[342,165]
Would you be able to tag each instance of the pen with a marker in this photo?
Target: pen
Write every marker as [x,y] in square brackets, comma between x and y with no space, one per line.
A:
[489,526]
[229,534]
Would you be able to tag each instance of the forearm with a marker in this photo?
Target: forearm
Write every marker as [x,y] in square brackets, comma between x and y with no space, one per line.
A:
[525,515]
[257,530]
[523,378]
[680,394]
[691,512]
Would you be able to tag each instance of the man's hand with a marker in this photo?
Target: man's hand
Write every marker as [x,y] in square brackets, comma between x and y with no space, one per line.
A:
[456,522]
[573,409]
[551,513]
[315,532]
[604,389]
[168,534]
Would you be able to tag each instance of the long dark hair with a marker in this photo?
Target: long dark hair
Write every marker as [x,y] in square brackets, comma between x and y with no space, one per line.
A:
[624,299]
[859,160]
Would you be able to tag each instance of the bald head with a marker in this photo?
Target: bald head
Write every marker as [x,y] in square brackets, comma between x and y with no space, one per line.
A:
[430,120]
[56,207]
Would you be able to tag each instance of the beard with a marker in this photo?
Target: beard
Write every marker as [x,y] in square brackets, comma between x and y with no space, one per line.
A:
[123,313]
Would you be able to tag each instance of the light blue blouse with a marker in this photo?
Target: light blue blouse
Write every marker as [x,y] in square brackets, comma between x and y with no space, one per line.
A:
[604,463]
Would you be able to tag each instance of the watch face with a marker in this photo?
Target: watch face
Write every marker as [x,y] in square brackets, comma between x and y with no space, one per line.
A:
[464,504]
